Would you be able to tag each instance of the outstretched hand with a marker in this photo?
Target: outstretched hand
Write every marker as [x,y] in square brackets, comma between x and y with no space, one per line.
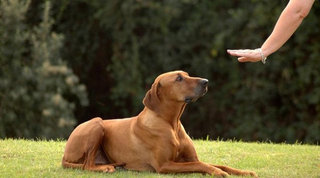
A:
[246,55]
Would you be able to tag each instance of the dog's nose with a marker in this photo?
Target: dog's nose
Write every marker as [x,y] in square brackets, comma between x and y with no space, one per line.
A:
[204,82]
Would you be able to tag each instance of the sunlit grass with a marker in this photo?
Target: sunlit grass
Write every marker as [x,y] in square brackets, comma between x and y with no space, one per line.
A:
[25,158]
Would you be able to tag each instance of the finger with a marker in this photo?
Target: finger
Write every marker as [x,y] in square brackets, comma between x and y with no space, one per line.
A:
[236,49]
[235,53]
[229,51]
[245,53]
[243,59]
[239,52]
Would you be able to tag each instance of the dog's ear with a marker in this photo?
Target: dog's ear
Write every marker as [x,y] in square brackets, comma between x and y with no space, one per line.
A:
[152,99]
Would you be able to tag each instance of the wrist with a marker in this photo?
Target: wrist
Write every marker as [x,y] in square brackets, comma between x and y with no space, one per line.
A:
[267,52]
[262,55]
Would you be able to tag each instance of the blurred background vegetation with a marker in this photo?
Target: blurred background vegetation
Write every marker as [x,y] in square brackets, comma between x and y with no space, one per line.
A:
[66,61]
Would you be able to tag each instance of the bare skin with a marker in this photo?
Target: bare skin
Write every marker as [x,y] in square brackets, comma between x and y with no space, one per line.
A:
[288,22]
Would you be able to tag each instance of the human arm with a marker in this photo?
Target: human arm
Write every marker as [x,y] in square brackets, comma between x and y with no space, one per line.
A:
[288,22]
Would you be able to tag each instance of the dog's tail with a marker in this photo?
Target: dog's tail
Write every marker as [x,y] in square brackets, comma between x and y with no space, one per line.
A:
[66,164]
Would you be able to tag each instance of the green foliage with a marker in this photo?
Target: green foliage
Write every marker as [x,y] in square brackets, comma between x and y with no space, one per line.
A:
[35,84]
[117,48]
[142,39]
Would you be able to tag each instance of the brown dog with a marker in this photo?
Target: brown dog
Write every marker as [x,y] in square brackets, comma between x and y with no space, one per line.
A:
[155,140]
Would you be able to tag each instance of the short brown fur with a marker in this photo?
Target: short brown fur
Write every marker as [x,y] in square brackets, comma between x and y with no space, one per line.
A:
[155,140]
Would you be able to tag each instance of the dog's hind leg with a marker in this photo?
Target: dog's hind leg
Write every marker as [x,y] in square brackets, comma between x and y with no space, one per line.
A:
[83,145]
[66,164]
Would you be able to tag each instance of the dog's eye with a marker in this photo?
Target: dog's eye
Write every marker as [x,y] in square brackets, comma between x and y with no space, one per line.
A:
[179,78]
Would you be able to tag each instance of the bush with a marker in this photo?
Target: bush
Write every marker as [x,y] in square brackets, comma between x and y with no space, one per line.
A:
[117,48]
[35,84]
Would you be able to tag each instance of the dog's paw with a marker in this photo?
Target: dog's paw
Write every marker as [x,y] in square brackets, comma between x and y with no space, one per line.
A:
[220,174]
[253,174]
[109,169]
[250,173]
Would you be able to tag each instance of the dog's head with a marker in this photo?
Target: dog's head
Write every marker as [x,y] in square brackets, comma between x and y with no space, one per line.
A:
[176,86]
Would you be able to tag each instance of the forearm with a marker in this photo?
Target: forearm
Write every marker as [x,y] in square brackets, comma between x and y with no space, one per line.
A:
[288,22]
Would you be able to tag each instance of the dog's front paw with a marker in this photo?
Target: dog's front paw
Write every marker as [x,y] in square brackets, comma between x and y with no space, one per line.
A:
[250,173]
[219,173]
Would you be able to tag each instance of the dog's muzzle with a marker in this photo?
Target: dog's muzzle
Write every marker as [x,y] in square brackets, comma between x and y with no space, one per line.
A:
[204,84]
[200,91]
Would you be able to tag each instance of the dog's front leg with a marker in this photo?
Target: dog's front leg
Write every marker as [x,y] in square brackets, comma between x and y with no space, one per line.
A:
[234,171]
[188,167]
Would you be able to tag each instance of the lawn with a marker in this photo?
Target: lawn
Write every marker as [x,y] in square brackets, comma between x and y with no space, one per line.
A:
[25,158]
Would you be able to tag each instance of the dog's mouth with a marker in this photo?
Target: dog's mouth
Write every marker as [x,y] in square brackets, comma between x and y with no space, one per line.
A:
[190,99]
[204,91]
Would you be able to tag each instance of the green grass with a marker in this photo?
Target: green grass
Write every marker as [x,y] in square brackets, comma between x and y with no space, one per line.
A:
[25,158]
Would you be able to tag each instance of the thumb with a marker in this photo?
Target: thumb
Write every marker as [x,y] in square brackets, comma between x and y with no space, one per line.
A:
[243,59]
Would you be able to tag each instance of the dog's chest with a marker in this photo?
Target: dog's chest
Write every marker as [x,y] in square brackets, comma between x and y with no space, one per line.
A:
[176,146]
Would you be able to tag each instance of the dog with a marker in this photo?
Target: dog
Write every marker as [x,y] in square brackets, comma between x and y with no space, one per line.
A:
[155,140]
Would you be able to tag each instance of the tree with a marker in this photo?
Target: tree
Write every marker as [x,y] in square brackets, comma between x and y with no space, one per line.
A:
[38,91]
